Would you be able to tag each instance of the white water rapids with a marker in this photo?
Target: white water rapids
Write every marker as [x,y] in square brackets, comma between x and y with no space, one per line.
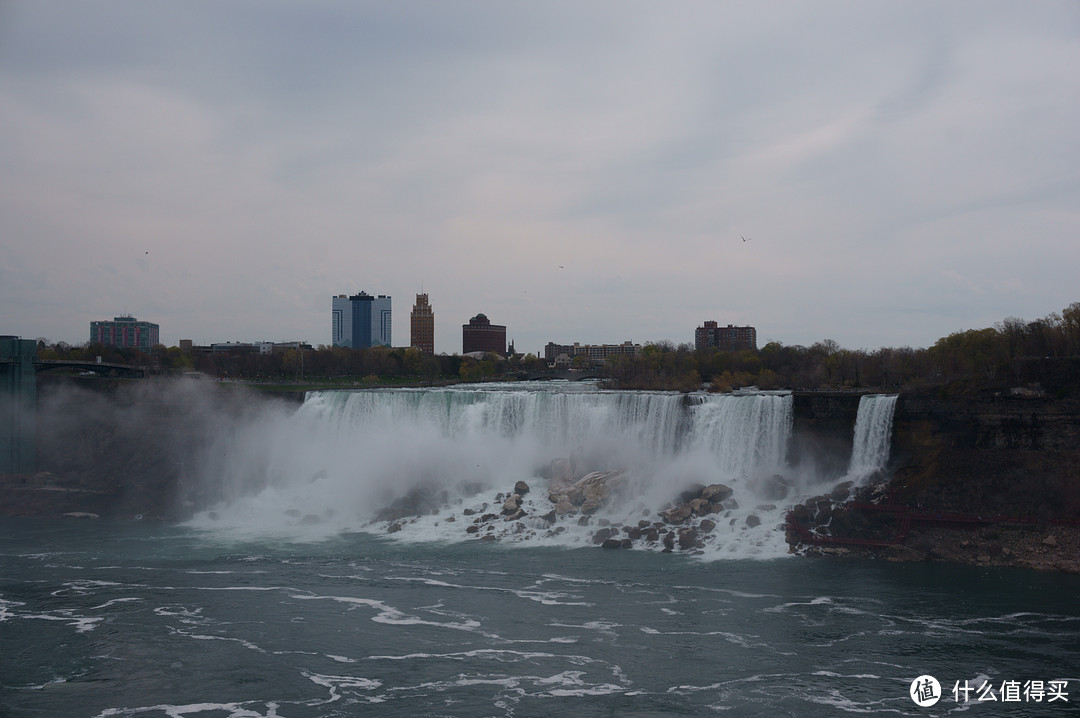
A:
[343,456]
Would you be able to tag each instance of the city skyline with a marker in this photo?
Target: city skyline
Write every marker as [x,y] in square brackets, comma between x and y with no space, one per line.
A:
[874,174]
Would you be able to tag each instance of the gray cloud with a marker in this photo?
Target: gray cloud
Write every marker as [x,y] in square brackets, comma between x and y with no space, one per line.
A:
[905,170]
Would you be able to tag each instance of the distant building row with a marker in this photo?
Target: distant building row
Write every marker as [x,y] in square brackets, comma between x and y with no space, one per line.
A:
[187,346]
[597,353]
[362,320]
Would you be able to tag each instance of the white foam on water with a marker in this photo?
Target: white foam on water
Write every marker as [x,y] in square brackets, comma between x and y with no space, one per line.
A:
[235,710]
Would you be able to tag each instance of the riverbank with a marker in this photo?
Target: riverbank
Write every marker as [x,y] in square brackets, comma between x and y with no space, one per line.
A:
[1050,548]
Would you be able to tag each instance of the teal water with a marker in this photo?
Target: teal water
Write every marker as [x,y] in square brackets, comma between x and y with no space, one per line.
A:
[136,619]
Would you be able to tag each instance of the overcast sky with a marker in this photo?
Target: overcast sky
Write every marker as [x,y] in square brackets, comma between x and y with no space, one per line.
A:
[578,171]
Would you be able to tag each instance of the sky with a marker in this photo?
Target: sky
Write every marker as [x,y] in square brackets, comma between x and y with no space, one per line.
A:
[875,173]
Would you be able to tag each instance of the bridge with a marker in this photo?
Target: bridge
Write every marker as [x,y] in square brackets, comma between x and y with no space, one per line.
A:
[99,368]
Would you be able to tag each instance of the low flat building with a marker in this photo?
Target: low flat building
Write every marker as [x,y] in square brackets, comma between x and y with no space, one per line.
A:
[598,353]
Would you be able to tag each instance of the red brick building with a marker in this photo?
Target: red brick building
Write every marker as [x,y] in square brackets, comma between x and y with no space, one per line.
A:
[480,335]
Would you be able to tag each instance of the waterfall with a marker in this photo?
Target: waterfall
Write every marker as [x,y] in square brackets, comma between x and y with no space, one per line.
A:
[873,435]
[344,456]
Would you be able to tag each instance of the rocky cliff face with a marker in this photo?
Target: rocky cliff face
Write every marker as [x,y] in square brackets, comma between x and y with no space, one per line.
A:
[991,481]
[997,455]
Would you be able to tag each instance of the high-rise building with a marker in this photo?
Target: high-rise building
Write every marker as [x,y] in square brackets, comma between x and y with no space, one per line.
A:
[422,325]
[726,339]
[341,321]
[125,332]
[480,335]
[361,321]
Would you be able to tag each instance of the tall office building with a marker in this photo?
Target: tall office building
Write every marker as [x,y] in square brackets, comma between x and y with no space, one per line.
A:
[480,335]
[726,339]
[125,332]
[341,321]
[422,333]
[361,321]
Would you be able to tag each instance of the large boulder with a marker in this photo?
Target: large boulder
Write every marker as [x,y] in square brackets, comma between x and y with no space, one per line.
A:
[676,514]
[701,507]
[593,489]
[512,504]
[715,493]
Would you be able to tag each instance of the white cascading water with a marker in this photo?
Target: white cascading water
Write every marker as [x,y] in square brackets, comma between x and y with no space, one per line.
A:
[873,436]
[343,456]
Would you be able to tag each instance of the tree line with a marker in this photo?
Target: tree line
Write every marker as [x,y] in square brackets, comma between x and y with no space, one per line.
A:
[1014,352]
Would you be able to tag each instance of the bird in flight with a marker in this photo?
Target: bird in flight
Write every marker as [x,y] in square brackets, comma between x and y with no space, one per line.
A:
[746,239]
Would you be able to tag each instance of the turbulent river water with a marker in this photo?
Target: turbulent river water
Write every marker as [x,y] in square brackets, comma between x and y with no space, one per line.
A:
[288,597]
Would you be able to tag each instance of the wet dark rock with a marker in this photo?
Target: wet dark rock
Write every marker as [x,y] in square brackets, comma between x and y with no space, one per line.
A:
[691,493]
[521,488]
[701,507]
[842,491]
[669,541]
[393,528]
[706,526]
[753,520]
[611,543]
[474,528]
